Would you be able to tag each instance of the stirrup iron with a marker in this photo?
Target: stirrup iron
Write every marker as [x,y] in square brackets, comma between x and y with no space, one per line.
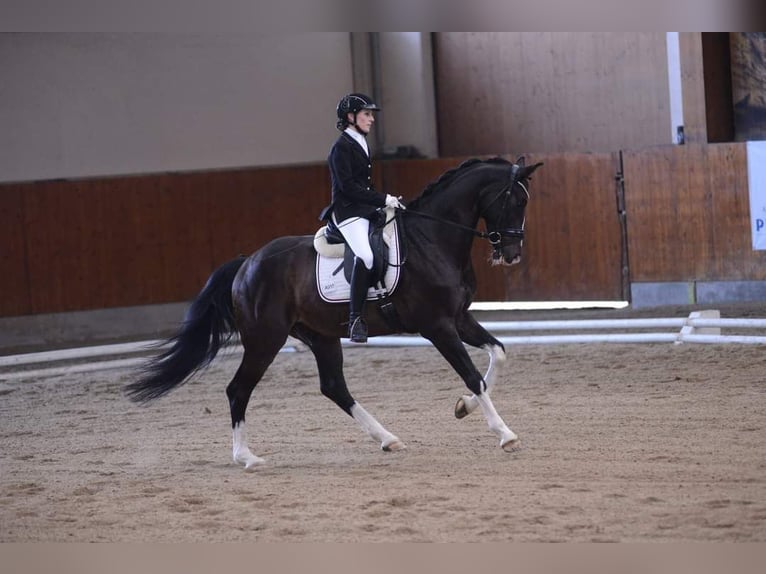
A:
[357,330]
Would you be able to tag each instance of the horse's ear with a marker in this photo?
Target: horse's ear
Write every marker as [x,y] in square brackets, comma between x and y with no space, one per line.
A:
[521,161]
[528,171]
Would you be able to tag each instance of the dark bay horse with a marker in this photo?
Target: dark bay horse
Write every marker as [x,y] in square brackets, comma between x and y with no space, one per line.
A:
[273,294]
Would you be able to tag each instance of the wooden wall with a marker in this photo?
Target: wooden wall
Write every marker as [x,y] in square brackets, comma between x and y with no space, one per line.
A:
[15,296]
[110,242]
[687,220]
[573,246]
[688,214]
[550,92]
[97,243]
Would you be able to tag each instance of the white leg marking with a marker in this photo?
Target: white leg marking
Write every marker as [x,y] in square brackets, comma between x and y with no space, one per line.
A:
[372,427]
[508,438]
[242,454]
[467,404]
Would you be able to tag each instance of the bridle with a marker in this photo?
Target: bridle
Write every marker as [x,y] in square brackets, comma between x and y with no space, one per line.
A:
[494,236]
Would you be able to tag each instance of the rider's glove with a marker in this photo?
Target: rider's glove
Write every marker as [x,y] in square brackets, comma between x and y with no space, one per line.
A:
[393,202]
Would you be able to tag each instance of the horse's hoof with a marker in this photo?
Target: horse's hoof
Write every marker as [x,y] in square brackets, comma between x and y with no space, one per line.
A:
[394,446]
[254,464]
[460,409]
[513,445]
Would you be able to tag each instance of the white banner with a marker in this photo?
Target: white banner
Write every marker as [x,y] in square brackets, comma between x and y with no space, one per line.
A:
[756,180]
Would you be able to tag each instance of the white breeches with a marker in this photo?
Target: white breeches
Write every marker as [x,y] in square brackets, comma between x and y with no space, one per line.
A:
[355,231]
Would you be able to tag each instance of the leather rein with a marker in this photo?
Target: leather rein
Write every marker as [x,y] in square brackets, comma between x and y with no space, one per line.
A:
[494,236]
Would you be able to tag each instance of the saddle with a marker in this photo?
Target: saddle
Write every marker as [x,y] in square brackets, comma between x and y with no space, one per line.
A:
[335,256]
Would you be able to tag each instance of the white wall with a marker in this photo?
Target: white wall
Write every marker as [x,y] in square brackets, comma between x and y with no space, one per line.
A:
[74,105]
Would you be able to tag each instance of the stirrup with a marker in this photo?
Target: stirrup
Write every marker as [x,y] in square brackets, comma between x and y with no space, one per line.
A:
[357,330]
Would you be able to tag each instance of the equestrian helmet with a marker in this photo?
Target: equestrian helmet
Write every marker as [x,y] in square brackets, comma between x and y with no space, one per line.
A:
[354,103]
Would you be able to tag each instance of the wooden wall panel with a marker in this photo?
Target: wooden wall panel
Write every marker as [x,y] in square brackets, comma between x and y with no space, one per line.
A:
[688,214]
[573,246]
[14,293]
[87,244]
[166,218]
[59,247]
[514,92]
[249,208]
[111,242]
[114,242]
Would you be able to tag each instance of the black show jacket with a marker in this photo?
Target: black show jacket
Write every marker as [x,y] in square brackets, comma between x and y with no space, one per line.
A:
[351,175]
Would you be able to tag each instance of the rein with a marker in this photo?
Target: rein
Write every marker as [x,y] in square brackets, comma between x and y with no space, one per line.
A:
[494,236]
[474,231]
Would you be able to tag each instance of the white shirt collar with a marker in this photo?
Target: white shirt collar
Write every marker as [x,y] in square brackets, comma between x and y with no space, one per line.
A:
[358,138]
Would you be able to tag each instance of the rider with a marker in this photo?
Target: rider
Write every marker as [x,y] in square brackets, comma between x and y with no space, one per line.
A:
[354,199]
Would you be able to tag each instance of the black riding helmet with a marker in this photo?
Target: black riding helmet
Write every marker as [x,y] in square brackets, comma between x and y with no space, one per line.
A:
[353,103]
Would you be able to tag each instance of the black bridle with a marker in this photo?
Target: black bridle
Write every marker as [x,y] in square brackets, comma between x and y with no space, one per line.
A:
[494,236]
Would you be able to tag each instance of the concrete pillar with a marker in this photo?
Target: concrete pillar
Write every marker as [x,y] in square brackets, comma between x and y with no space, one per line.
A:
[396,68]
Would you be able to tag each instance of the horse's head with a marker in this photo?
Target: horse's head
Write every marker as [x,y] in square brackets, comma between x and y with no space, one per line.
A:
[503,211]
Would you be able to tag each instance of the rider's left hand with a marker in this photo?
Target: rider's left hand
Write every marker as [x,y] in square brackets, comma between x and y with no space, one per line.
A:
[394,202]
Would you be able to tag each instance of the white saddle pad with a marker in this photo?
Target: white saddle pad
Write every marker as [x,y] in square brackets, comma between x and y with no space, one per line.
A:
[331,282]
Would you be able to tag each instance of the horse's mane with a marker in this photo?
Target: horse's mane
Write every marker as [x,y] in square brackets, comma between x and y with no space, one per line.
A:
[450,175]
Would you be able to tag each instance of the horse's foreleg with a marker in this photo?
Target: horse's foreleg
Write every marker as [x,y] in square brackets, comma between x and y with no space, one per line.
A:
[468,403]
[451,347]
[329,357]
[509,441]
[472,333]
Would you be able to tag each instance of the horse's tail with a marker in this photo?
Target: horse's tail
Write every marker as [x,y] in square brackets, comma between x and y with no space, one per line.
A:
[208,325]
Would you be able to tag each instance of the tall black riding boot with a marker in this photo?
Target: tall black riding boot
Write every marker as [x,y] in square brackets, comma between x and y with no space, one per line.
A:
[357,328]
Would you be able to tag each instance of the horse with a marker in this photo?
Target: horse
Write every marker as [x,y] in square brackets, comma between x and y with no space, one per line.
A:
[272,294]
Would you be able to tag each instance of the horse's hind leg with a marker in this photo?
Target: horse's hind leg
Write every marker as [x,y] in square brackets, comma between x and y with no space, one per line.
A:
[472,333]
[329,357]
[251,370]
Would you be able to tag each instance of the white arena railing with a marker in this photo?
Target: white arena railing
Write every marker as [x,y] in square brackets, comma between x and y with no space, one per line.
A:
[699,327]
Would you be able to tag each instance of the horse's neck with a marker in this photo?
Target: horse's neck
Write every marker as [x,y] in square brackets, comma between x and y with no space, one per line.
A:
[458,202]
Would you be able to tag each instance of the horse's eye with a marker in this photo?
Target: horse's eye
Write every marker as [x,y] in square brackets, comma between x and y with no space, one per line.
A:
[519,201]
